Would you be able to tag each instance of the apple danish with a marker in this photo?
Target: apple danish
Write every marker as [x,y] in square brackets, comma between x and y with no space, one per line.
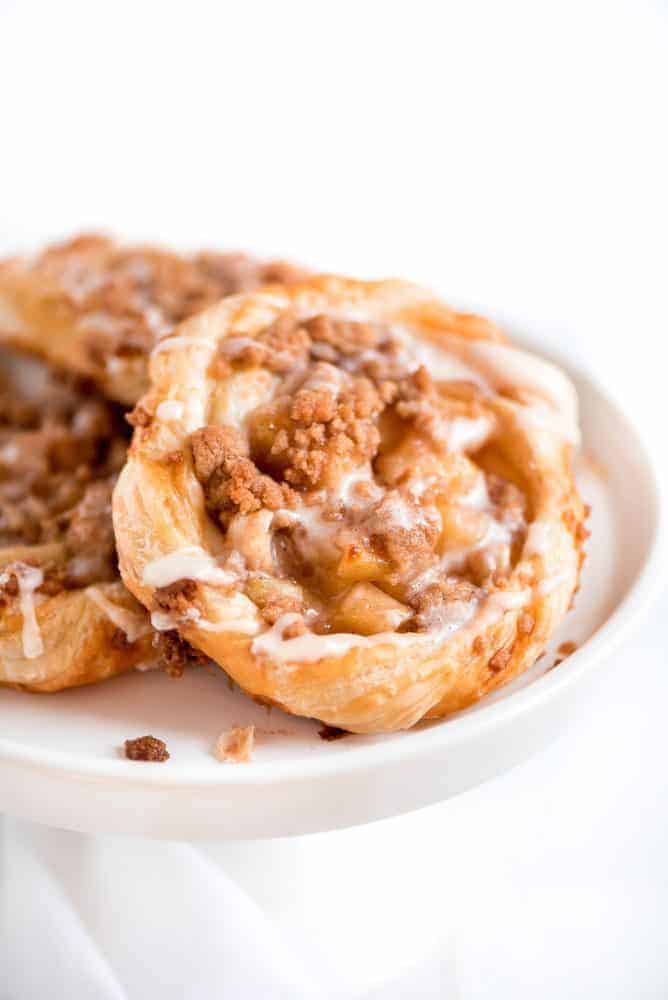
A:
[357,501]
[65,617]
[95,307]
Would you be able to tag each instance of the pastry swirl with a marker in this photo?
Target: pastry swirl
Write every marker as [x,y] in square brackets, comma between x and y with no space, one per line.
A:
[357,501]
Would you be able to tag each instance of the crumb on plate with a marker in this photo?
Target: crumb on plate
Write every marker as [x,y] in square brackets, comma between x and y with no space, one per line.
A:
[146,748]
[235,746]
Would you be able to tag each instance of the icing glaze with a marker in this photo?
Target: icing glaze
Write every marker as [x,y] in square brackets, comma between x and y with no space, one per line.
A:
[189,563]
[132,623]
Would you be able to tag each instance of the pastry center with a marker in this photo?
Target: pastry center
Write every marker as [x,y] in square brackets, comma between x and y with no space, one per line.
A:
[361,496]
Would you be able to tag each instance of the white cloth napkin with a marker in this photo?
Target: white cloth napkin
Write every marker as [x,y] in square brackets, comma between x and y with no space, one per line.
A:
[96,918]
[550,880]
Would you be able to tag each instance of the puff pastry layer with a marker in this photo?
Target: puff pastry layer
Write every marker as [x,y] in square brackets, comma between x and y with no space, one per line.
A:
[357,501]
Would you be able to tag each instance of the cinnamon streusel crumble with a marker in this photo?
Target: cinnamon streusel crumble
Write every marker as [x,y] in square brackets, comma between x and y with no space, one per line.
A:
[351,494]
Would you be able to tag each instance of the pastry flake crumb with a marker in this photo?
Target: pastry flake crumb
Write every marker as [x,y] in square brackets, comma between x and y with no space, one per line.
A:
[146,748]
[565,650]
[235,746]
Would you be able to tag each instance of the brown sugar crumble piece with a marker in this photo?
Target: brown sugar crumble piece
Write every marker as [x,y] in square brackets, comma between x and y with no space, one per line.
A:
[139,417]
[174,654]
[565,650]
[62,448]
[148,748]
[232,482]
[432,603]
[178,596]
[323,429]
[346,337]
[235,746]
[281,605]
[124,298]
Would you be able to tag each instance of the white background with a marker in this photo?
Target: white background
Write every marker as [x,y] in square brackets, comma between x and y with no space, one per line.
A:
[514,157]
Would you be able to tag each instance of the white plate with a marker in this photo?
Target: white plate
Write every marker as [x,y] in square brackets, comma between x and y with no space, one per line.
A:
[60,760]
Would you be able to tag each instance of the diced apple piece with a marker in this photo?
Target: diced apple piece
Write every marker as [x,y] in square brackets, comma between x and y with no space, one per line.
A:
[367,610]
[412,458]
[264,424]
[359,562]
[462,527]
[250,535]
[264,590]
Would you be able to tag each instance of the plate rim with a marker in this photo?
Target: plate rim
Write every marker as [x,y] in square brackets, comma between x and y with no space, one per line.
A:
[639,597]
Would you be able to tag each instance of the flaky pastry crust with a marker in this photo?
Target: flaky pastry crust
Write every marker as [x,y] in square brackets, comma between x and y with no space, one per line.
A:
[467,528]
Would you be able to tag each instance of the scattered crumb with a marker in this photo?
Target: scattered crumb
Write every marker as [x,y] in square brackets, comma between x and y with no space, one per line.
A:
[146,748]
[332,733]
[565,650]
[235,746]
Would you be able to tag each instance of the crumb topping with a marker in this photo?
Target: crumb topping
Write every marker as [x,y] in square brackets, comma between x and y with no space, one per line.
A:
[126,298]
[232,482]
[146,748]
[174,655]
[61,448]
[236,745]
[377,516]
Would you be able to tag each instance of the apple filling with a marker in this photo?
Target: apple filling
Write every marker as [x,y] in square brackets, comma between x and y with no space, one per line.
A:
[360,493]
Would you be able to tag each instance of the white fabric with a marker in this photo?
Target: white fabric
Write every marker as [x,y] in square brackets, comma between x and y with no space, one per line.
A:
[514,156]
[551,880]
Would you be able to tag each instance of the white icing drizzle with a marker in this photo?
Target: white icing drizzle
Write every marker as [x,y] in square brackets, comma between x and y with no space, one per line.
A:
[171,343]
[442,365]
[165,621]
[189,563]
[547,401]
[310,647]
[462,433]
[540,540]
[28,579]
[170,409]
[237,614]
[132,623]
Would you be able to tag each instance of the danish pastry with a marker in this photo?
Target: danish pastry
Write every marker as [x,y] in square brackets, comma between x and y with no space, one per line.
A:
[65,617]
[357,501]
[96,308]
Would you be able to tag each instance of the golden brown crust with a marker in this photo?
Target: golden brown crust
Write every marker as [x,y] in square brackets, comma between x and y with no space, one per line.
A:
[81,643]
[96,307]
[375,684]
